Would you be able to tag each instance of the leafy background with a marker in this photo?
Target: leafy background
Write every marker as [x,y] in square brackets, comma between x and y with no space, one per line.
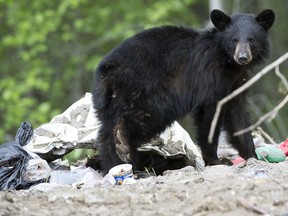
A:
[49,50]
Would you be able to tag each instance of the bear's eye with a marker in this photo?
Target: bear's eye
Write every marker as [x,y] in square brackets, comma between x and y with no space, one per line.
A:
[234,40]
[251,40]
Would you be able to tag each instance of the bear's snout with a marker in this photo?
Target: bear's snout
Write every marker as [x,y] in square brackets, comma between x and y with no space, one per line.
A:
[242,53]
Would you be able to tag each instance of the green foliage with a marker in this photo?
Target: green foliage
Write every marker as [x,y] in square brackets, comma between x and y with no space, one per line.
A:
[79,154]
[49,49]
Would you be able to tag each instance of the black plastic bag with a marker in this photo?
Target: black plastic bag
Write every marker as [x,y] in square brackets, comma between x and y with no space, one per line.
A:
[13,159]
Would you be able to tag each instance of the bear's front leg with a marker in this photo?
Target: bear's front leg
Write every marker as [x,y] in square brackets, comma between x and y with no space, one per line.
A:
[237,118]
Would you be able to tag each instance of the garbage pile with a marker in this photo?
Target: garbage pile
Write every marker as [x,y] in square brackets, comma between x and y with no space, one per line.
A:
[27,160]
[33,156]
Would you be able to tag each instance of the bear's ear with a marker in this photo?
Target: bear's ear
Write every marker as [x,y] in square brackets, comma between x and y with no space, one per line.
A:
[219,19]
[266,18]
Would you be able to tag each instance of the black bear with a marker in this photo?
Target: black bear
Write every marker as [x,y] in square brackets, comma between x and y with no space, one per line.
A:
[161,74]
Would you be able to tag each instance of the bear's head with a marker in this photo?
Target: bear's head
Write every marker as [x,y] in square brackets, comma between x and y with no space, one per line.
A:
[244,37]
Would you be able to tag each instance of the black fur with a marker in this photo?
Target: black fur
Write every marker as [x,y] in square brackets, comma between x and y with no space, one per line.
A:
[161,74]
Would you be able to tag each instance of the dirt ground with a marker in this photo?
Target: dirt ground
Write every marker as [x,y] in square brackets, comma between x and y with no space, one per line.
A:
[253,189]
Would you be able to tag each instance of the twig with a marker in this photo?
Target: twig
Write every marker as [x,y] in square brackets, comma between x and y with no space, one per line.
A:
[240,90]
[246,204]
[281,76]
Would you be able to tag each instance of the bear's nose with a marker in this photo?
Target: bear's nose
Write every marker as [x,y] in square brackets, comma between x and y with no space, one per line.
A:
[242,58]
[242,53]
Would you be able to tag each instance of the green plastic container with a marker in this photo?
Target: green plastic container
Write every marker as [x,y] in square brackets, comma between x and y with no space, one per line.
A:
[270,154]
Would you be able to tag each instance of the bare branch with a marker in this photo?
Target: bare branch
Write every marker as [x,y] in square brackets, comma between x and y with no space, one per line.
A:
[282,77]
[273,112]
[240,90]
[270,115]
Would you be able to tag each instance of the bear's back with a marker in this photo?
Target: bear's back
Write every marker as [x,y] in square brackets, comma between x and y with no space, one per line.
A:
[151,46]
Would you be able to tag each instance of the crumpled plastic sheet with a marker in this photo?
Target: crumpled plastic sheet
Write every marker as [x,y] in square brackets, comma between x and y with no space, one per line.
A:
[78,177]
[77,127]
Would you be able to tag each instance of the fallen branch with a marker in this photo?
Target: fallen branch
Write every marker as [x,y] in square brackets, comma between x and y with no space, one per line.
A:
[270,115]
[240,90]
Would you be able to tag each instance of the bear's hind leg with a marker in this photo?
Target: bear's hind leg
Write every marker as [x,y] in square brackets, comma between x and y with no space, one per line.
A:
[108,156]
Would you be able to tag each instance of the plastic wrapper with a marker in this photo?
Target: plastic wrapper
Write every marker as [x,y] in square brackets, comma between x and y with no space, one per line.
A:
[13,159]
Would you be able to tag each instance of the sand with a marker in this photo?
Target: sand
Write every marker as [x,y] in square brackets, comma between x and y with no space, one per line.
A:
[257,188]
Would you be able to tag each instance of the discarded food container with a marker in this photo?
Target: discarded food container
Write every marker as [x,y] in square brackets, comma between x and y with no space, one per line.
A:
[270,154]
[121,172]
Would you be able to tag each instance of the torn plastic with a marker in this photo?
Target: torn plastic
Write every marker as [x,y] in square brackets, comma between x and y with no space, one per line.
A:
[75,128]
[175,143]
[13,159]
[77,177]
[37,170]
